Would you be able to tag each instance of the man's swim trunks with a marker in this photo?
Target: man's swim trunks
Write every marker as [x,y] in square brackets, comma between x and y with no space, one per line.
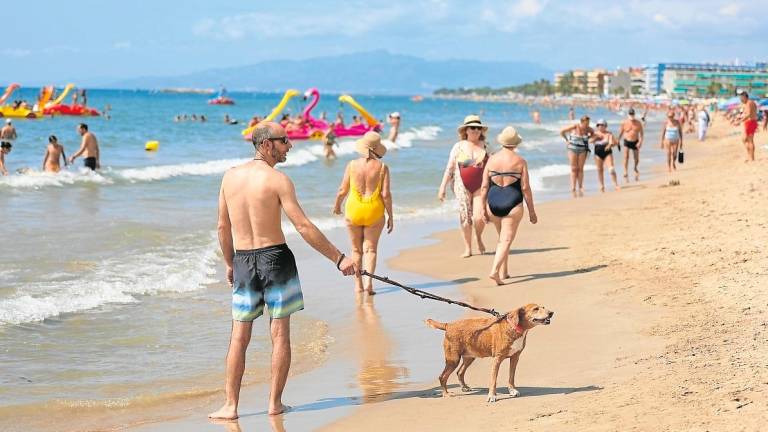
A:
[630,144]
[750,126]
[265,276]
[90,162]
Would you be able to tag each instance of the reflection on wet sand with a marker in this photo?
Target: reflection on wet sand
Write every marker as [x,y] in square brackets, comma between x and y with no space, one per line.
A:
[377,376]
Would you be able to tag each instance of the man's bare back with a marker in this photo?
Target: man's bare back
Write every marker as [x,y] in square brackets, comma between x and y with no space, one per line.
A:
[252,196]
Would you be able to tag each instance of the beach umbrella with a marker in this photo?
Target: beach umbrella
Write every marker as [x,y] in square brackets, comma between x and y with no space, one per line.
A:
[763,102]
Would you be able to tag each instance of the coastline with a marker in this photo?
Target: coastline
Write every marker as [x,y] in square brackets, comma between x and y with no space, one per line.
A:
[657,301]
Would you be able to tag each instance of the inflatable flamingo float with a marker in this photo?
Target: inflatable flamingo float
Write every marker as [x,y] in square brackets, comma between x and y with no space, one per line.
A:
[316,129]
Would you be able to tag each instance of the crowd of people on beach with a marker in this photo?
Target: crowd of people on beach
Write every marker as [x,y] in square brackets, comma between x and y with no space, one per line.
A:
[489,187]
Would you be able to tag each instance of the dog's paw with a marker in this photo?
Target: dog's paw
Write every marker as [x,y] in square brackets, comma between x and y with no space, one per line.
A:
[513,392]
[466,388]
[491,398]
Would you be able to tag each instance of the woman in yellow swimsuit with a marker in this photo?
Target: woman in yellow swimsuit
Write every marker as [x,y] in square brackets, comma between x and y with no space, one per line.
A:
[366,188]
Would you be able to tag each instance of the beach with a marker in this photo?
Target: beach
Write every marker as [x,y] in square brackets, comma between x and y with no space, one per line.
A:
[660,309]
[654,289]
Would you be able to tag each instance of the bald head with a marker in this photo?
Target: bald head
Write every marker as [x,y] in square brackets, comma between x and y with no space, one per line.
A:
[266,130]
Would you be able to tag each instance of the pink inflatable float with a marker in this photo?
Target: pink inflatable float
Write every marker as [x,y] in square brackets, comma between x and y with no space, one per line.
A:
[311,128]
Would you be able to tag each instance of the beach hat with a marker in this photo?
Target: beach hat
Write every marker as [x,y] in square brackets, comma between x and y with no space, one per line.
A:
[601,122]
[472,120]
[370,143]
[395,115]
[8,121]
[509,137]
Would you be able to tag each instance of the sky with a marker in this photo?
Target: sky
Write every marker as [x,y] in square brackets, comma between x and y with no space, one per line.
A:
[55,40]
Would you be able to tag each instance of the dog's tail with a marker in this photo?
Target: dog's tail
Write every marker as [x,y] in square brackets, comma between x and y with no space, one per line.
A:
[435,324]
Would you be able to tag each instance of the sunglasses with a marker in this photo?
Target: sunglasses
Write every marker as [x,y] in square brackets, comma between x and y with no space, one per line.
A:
[283,139]
[474,128]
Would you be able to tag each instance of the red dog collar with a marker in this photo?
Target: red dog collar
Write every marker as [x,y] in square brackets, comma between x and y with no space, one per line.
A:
[519,329]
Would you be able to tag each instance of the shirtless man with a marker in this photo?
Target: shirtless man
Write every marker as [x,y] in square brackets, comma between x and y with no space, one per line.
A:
[749,118]
[8,133]
[631,131]
[89,148]
[53,153]
[262,270]
[394,123]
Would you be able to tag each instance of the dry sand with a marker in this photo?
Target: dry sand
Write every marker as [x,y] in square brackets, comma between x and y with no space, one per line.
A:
[660,296]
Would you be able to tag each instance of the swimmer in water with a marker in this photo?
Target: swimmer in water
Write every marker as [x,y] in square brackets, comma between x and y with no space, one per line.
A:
[53,153]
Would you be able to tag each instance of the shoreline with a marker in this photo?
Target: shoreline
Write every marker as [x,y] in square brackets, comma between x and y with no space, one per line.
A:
[644,302]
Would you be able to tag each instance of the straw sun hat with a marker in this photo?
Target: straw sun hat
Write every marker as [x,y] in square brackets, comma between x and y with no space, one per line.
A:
[509,137]
[370,143]
[472,120]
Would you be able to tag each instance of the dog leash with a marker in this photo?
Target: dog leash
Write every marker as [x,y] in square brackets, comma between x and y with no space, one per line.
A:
[426,295]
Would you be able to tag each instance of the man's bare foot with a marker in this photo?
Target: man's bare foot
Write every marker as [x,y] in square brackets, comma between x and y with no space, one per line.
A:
[617,187]
[466,254]
[495,277]
[505,276]
[637,175]
[280,409]
[602,188]
[227,412]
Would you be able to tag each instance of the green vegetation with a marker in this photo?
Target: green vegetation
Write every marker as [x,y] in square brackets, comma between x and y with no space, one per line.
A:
[537,88]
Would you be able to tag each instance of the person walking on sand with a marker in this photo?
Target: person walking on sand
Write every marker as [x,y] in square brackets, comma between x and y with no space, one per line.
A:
[672,142]
[577,139]
[366,187]
[749,118]
[603,142]
[632,134]
[5,148]
[394,126]
[89,149]
[505,187]
[703,120]
[8,133]
[468,157]
[259,266]
[53,153]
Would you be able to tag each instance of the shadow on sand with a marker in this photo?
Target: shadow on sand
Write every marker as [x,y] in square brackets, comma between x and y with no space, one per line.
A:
[564,273]
[432,393]
[527,251]
[427,285]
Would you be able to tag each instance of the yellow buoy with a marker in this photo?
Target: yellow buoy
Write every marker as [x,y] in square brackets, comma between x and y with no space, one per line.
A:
[152,145]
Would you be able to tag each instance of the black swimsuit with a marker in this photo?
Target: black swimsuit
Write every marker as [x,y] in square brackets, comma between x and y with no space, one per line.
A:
[502,199]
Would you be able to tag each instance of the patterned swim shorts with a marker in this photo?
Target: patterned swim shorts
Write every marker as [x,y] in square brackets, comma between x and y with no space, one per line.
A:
[265,276]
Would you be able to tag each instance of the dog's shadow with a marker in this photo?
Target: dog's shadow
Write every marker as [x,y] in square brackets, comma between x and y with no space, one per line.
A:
[431,393]
[526,391]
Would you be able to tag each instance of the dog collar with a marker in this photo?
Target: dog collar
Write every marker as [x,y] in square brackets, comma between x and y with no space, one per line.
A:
[519,329]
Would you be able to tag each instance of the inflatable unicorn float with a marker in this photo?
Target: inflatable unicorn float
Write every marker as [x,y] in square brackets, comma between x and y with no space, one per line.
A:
[316,129]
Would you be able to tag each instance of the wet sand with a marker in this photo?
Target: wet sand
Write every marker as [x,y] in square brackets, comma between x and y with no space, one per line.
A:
[660,302]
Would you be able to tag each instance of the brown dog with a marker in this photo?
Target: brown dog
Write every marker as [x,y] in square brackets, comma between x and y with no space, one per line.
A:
[500,338]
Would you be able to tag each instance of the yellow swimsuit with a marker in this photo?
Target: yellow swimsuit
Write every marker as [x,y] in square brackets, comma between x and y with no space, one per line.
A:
[364,210]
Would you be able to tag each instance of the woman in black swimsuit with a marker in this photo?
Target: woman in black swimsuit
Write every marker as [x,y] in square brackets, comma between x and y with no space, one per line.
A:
[505,187]
[604,143]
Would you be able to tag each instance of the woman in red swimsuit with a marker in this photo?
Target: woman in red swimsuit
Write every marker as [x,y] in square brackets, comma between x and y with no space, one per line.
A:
[468,156]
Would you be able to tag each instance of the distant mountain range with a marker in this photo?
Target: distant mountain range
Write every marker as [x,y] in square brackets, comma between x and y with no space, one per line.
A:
[376,72]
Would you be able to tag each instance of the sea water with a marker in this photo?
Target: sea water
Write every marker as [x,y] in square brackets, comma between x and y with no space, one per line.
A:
[110,283]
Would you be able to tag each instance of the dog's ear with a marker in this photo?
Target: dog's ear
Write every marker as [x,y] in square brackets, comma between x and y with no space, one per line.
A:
[515,317]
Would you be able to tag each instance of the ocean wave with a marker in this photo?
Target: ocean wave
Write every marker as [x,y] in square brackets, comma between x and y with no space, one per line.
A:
[162,172]
[39,179]
[300,155]
[536,176]
[116,280]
